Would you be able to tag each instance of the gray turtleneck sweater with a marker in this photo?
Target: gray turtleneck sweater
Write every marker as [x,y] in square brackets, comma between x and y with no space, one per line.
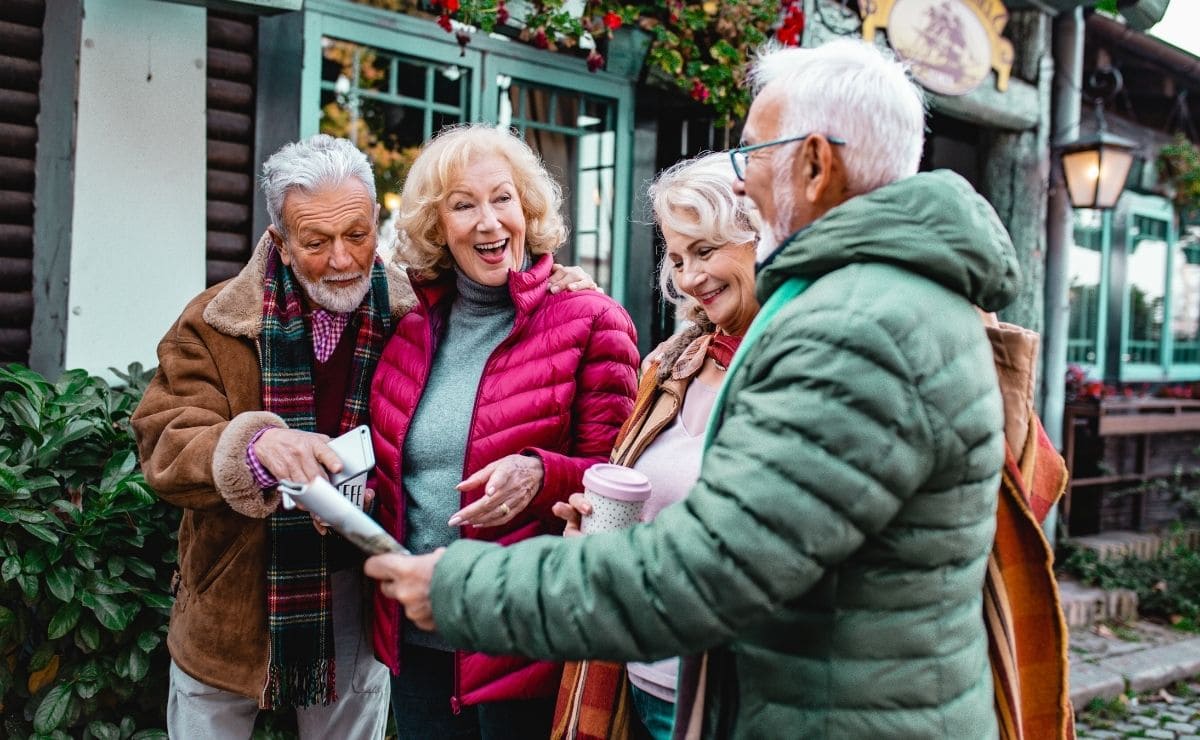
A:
[435,448]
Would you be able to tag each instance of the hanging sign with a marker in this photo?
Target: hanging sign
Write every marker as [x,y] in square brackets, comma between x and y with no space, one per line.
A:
[950,45]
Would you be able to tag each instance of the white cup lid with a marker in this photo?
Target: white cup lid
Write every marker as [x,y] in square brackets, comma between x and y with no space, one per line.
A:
[617,482]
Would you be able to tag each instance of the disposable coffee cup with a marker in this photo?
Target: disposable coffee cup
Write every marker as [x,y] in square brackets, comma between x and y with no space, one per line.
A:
[617,494]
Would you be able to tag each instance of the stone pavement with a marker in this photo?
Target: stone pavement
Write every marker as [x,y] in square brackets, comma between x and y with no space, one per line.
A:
[1107,662]
[1170,715]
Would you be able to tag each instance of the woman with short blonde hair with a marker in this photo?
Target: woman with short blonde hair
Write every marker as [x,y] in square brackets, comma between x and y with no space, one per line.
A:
[420,239]
[490,400]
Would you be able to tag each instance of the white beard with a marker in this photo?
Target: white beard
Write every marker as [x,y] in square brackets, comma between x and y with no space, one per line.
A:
[768,242]
[338,300]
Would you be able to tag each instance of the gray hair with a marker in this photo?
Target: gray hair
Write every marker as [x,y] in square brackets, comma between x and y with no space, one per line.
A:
[695,198]
[853,90]
[309,165]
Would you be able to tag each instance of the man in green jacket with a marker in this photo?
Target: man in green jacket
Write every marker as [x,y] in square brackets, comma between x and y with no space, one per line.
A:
[831,558]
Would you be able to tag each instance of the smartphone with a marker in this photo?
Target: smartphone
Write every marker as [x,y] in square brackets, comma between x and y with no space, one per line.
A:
[358,457]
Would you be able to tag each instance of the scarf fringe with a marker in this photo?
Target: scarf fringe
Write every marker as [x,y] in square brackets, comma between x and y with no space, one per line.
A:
[301,685]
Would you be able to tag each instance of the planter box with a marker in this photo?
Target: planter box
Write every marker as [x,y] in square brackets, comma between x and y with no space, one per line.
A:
[1113,448]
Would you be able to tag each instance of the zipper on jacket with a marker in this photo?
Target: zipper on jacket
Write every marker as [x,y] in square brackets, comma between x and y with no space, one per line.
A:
[455,702]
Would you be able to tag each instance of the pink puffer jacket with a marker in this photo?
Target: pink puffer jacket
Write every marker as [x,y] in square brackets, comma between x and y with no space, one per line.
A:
[559,386]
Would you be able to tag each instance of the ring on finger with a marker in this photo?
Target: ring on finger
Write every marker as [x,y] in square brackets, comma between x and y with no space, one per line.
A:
[504,508]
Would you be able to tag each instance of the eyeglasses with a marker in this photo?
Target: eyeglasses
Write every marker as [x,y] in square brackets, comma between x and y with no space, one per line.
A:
[741,155]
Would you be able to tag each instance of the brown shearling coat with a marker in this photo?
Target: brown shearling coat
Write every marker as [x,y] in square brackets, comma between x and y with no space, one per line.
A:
[192,427]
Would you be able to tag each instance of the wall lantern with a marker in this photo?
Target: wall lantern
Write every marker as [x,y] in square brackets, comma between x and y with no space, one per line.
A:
[1096,166]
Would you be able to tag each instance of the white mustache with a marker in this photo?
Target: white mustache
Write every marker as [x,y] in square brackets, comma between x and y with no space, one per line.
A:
[343,276]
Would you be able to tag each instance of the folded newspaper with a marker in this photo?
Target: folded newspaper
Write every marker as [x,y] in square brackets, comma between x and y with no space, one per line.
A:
[320,498]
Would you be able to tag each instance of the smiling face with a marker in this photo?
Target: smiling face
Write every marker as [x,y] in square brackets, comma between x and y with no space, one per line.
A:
[482,221]
[721,278]
[330,244]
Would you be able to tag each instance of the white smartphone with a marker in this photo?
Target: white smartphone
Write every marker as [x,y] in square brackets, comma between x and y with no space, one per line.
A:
[358,457]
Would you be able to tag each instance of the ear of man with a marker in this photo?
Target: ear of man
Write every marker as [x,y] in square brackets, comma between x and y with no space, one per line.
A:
[820,175]
[277,238]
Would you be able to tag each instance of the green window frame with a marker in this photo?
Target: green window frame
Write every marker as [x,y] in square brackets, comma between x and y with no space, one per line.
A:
[1140,256]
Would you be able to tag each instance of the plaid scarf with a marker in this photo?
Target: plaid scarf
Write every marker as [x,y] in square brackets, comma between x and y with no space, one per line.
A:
[300,669]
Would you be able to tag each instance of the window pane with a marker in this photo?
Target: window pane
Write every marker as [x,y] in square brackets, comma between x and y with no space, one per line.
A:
[377,99]
[1084,265]
[1147,265]
[573,135]
[1185,298]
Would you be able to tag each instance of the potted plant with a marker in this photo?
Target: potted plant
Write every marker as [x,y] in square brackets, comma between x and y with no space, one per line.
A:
[1179,167]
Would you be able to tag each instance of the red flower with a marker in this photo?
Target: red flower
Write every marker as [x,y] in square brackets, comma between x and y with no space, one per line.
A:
[595,60]
[699,91]
[612,20]
[793,27]
[540,40]
[444,21]
[463,38]
[502,14]
[451,6]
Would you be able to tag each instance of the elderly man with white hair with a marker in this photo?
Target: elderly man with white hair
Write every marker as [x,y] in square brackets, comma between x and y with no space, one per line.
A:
[830,559]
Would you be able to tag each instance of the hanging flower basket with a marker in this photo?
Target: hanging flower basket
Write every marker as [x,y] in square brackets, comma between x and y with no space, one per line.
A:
[703,46]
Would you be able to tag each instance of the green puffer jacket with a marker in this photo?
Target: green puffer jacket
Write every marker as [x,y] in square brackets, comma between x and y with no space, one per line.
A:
[834,549]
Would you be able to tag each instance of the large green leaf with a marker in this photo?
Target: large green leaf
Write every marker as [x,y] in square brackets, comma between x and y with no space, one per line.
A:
[140,568]
[29,585]
[24,414]
[103,730]
[34,562]
[41,532]
[87,637]
[53,710]
[64,620]
[119,466]
[11,568]
[139,664]
[61,583]
[107,609]
[148,640]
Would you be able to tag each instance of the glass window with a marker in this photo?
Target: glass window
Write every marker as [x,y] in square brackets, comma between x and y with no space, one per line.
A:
[1185,298]
[1147,270]
[576,138]
[1084,262]
[388,105]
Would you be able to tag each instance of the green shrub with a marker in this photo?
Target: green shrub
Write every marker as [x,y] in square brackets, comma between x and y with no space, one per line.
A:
[1167,585]
[86,557]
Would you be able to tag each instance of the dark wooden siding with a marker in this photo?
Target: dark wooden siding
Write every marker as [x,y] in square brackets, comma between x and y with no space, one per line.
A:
[232,40]
[20,74]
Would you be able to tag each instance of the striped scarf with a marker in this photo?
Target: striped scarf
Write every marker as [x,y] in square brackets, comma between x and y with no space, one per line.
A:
[300,669]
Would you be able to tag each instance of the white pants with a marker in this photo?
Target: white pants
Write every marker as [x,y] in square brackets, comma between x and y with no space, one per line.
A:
[197,711]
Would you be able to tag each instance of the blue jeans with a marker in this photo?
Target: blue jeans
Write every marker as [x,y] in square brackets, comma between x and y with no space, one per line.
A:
[657,716]
[421,705]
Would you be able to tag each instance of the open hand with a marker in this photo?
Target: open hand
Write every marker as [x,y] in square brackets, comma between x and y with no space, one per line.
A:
[509,484]
[406,578]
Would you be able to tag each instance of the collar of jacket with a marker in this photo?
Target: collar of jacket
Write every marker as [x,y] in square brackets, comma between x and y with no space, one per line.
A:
[237,309]
[527,289]
[931,224]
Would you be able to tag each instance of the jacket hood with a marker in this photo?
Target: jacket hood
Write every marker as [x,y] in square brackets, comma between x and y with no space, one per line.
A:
[933,224]
[237,308]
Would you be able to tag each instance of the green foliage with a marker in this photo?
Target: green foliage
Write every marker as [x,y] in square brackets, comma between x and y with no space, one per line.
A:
[1167,586]
[1179,164]
[86,556]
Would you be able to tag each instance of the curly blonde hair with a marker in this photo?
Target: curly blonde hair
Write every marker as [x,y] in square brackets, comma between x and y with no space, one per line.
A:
[420,239]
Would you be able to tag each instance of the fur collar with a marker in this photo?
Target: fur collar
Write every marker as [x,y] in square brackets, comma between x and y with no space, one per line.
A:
[236,310]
